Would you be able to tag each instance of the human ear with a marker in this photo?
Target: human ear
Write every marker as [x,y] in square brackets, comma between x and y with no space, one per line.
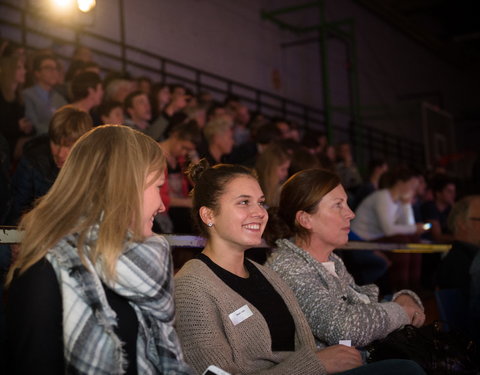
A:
[303,219]
[206,214]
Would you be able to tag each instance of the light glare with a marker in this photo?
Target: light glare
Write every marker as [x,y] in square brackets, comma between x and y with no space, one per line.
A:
[63,3]
[86,5]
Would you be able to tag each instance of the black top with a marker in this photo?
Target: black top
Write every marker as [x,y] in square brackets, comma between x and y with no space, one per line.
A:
[453,271]
[260,293]
[34,323]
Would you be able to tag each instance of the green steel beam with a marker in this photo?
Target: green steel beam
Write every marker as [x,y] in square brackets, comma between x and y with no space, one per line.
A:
[322,44]
[291,9]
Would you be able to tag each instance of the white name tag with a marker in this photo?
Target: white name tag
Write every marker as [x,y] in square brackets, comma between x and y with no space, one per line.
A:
[345,342]
[240,315]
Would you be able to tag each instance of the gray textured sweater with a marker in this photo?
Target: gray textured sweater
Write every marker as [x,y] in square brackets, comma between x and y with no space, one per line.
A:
[208,336]
[332,305]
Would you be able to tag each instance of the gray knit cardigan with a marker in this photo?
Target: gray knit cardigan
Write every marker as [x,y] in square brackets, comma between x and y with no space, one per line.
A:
[203,303]
[333,309]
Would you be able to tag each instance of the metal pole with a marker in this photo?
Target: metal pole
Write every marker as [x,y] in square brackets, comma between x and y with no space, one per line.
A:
[354,95]
[122,34]
[324,72]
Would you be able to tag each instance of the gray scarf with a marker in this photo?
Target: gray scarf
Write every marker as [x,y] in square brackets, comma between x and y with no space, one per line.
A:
[144,278]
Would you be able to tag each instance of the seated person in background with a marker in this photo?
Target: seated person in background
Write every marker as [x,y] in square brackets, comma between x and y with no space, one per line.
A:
[272,170]
[387,215]
[436,211]
[453,271]
[14,126]
[177,147]
[43,157]
[388,212]
[312,219]
[137,107]
[241,118]
[377,168]
[239,315]
[460,268]
[144,84]
[302,158]
[347,169]
[118,87]
[219,136]
[41,100]
[247,153]
[91,290]
[474,298]
[111,113]
[171,115]
[86,91]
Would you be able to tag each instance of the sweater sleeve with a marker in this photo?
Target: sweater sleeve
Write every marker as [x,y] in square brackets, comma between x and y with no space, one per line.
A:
[34,322]
[386,209]
[205,338]
[334,315]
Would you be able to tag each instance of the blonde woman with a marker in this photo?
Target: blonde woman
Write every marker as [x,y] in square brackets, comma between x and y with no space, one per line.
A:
[272,169]
[91,289]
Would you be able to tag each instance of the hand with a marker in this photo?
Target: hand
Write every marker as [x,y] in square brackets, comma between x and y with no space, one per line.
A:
[412,309]
[420,228]
[418,319]
[25,125]
[339,358]
[407,198]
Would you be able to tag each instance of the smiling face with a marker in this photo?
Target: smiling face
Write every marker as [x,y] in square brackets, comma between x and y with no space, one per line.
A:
[329,225]
[152,202]
[241,217]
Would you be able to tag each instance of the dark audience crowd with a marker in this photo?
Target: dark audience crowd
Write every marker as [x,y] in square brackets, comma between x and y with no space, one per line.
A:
[45,108]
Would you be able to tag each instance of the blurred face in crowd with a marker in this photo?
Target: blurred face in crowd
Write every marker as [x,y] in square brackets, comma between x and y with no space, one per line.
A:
[163,97]
[284,129]
[48,76]
[20,72]
[225,141]
[407,188]
[181,147]
[447,195]
[114,117]
[467,228]
[282,171]
[97,94]
[60,153]
[140,108]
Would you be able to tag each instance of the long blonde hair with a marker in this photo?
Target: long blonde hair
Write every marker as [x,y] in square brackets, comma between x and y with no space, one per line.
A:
[102,182]
[10,89]
[266,166]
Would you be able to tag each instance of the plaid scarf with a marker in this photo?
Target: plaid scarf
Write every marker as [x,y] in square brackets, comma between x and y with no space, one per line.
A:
[144,277]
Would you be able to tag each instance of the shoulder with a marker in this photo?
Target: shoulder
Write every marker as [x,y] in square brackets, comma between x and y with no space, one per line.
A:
[285,258]
[37,283]
[193,274]
[29,92]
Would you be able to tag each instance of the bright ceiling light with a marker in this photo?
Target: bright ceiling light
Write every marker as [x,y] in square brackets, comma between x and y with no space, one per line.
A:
[86,5]
[63,3]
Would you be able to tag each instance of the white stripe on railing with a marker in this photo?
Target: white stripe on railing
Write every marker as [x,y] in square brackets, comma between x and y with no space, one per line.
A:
[9,235]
